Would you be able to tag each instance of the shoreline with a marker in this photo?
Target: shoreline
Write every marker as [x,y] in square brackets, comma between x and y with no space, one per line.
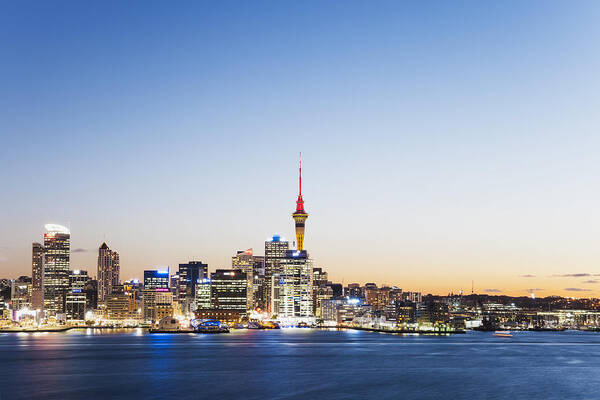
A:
[150,330]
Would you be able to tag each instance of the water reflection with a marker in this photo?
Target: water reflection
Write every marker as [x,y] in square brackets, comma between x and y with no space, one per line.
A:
[297,363]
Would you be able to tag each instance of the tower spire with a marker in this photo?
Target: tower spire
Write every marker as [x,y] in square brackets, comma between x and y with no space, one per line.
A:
[300,215]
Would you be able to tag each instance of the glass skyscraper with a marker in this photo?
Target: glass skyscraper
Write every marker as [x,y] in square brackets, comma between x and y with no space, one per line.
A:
[57,245]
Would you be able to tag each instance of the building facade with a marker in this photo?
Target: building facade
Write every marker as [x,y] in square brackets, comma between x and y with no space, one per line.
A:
[57,253]
[228,290]
[37,276]
[296,298]
[108,271]
[275,249]
[189,276]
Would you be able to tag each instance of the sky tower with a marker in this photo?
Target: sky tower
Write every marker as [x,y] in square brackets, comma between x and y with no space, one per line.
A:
[300,215]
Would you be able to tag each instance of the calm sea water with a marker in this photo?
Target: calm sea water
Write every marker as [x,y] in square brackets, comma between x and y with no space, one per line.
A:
[298,363]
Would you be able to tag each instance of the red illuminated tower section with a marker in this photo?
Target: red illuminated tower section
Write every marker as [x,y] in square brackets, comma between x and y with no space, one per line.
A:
[300,215]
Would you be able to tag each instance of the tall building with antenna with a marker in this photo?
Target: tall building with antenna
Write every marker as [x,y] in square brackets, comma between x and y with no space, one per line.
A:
[300,215]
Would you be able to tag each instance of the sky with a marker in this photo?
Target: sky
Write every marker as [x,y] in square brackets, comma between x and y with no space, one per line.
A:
[445,145]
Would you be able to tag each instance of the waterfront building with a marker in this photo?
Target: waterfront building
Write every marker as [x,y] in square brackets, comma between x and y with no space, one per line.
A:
[75,301]
[120,304]
[189,275]
[228,317]
[251,265]
[300,215]
[157,299]
[163,306]
[296,302]
[108,271]
[76,298]
[20,293]
[57,245]
[275,249]
[91,294]
[203,294]
[228,290]
[37,276]
[320,290]
[156,279]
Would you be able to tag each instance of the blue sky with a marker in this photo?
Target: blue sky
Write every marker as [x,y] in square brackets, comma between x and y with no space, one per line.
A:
[442,142]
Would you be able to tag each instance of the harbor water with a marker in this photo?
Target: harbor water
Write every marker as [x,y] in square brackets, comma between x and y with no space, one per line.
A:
[298,364]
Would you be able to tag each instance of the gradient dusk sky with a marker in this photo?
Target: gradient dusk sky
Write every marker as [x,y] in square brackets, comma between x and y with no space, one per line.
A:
[443,142]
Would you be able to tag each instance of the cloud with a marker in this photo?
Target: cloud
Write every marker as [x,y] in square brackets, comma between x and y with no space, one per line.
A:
[492,290]
[576,289]
[3,258]
[533,290]
[79,250]
[591,281]
[580,275]
[527,276]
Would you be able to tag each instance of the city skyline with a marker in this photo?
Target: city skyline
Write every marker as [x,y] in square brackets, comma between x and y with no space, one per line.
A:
[441,145]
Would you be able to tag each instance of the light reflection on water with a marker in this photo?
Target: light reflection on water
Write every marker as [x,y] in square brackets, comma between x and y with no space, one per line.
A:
[298,363]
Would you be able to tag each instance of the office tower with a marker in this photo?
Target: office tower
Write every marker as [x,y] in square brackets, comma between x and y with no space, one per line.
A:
[189,275]
[20,293]
[156,297]
[57,244]
[295,294]
[108,271]
[91,294]
[252,266]
[320,290]
[300,215]
[203,294]
[228,290]
[156,279]
[37,276]
[275,249]
[78,279]
[75,305]
[120,304]
[76,299]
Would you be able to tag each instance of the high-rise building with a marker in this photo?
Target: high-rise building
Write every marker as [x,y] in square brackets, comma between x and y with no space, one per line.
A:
[120,304]
[189,275]
[76,299]
[228,290]
[91,294]
[252,266]
[203,294]
[275,249]
[20,293]
[37,276]
[57,244]
[156,279]
[108,271]
[300,215]
[78,279]
[157,299]
[75,302]
[320,290]
[296,300]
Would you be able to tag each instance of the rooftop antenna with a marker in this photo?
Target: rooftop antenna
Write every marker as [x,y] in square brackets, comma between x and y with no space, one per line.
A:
[300,175]
[472,287]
